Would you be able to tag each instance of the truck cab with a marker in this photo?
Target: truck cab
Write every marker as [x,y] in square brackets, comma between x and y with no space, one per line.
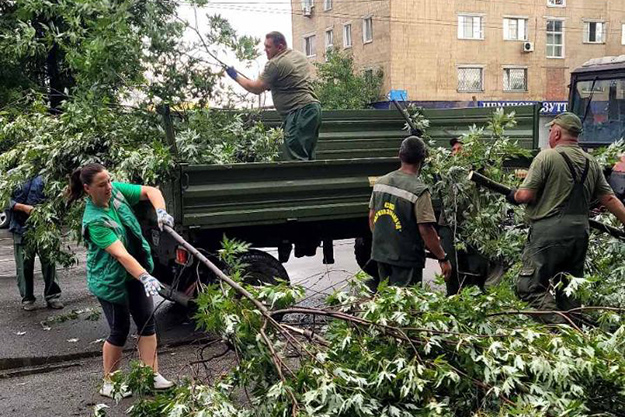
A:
[597,96]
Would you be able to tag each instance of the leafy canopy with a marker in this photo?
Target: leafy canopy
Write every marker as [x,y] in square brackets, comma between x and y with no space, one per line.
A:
[338,85]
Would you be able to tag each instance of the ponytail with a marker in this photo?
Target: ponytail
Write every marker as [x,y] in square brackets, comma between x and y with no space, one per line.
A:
[79,178]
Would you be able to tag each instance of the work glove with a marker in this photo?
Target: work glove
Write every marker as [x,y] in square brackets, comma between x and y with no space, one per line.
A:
[232,72]
[163,219]
[510,197]
[150,284]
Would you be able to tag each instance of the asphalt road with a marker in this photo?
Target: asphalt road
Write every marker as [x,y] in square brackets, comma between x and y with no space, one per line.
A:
[54,368]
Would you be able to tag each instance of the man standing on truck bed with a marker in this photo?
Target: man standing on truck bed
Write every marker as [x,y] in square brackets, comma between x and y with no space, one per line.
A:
[560,185]
[402,220]
[287,75]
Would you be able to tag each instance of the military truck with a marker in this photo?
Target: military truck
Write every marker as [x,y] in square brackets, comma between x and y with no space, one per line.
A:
[293,206]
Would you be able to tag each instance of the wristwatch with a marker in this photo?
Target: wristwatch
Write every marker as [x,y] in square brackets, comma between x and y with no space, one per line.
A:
[444,258]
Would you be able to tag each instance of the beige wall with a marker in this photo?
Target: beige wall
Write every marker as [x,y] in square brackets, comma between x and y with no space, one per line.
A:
[416,43]
[372,55]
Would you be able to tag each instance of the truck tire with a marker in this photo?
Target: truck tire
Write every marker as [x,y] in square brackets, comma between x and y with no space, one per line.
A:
[362,252]
[5,219]
[262,268]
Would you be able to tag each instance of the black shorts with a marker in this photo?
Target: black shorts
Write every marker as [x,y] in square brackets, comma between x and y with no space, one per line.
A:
[139,306]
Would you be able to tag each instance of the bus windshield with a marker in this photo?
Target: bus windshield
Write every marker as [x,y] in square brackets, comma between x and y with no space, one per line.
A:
[600,104]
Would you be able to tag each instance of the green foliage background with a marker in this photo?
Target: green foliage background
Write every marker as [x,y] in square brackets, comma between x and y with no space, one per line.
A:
[339,86]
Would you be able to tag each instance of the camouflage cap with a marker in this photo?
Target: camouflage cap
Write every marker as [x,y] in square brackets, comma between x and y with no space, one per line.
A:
[568,121]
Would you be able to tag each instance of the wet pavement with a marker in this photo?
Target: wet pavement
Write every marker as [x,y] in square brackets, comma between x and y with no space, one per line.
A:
[51,367]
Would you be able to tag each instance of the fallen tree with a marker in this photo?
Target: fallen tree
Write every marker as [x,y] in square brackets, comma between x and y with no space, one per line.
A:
[412,351]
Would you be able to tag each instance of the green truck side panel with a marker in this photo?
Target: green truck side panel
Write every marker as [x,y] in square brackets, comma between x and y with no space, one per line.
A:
[354,148]
[365,133]
[254,194]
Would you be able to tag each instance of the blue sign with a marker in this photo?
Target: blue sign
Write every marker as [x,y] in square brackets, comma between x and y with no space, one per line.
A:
[548,108]
[399,95]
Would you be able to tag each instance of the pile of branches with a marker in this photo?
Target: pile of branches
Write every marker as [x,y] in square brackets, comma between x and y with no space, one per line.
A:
[414,351]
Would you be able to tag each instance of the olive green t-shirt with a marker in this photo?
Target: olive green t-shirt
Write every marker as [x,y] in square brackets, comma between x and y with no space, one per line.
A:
[103,237]
[549,176]
[288,77]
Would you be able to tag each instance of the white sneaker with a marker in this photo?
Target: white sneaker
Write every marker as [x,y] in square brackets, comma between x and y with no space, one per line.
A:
[107,390]
[161,383]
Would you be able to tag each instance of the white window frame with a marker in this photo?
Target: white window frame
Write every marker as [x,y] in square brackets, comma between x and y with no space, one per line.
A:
[308,4]
[330,44]
[327,5]
[506,28]
[473,16]
[314,45]
[516,67]
[604,31]
[552,3]
[556,19]
[351,40]
[623,34]
[469,66]
[364,29]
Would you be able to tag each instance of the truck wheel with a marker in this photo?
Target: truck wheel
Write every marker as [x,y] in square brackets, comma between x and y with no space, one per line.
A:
[262,268]
[362,252]
[5,219]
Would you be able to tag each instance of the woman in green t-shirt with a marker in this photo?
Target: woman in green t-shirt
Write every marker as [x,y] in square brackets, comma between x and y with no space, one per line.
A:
[119,264]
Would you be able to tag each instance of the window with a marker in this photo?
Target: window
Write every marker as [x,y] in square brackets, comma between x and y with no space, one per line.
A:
[470,79]
[309,45]
[347,35]
[594,32]
[623,34]
[556,3]
[470,27]
[327,5]
[555,39]
[515,79]
[367,30]
[307,4]
[515,29]
[329,38]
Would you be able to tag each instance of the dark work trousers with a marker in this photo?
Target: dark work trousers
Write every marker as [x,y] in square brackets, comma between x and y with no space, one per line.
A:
[468,266]
[556,247]
[25,268]
[301,131]
[397,275]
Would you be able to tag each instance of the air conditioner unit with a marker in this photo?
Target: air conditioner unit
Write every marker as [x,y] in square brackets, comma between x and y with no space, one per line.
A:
[528,46]
[307,11]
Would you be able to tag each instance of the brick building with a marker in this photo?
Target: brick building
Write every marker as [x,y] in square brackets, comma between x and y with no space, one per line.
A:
[465,51]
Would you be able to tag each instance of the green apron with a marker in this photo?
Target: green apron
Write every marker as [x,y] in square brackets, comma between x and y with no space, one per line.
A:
[556,246]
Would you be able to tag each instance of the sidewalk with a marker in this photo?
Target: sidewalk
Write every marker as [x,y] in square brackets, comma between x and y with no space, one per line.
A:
[28,342]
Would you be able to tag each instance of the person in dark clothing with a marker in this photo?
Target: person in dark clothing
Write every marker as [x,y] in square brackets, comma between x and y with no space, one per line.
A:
[23,202]
[402,221]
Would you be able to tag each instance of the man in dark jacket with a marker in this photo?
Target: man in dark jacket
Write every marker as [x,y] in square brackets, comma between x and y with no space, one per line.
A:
[23,202]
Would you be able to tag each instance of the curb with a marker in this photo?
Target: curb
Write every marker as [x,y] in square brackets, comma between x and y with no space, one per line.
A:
[13,366]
